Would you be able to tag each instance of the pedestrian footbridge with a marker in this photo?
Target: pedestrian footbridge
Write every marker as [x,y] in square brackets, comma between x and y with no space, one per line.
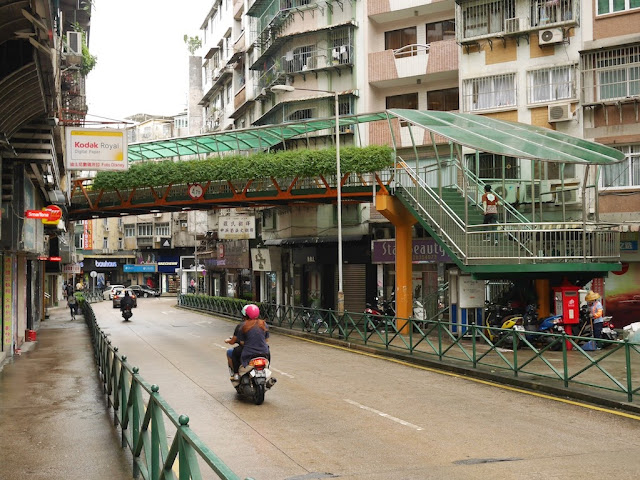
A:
[546,183]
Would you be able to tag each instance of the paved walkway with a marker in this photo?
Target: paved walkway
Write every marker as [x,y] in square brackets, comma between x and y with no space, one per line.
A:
[53,418]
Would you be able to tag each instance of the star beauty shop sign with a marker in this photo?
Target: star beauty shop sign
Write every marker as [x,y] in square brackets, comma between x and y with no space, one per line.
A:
[96,149]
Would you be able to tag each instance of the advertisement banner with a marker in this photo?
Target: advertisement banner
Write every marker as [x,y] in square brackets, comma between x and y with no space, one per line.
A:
[139,268]
[96,149]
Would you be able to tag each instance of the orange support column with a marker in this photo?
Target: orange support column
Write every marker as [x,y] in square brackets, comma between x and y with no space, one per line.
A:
[402,220]
[543,291]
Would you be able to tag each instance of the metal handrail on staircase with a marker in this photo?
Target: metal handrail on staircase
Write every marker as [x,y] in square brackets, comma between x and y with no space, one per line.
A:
[441,218]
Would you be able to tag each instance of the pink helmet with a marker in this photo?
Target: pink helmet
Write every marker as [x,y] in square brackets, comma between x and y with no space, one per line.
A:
[252,311]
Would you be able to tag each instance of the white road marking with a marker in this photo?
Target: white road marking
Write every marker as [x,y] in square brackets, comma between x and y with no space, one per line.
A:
[203,323]
[382,414]
[282,373]
[194,335]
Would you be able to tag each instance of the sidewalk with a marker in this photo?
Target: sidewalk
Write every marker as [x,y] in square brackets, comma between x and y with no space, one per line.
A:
[53,418]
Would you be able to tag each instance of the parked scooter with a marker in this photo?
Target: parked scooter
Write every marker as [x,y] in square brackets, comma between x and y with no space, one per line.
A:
[254,380]
[381,316]
[552,324]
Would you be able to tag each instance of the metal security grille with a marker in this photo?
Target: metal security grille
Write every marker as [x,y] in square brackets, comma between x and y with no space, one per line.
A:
[550,84]
[611,74]
[489,92]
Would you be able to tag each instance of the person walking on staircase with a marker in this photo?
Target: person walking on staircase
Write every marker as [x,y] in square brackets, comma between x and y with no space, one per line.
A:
[490,207]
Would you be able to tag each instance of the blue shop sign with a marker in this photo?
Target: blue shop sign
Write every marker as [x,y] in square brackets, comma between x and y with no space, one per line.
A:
[168,264]
[139,268]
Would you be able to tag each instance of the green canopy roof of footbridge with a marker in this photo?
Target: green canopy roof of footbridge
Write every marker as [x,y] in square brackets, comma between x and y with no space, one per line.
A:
[480,133]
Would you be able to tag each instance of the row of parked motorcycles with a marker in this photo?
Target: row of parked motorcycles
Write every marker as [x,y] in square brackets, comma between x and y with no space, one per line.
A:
[383,314]
[501,320]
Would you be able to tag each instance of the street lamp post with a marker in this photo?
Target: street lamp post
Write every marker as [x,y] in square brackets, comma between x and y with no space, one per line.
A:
[289,88]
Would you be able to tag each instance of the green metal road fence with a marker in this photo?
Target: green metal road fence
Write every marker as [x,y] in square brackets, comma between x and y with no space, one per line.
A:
[143,417]
[610,373]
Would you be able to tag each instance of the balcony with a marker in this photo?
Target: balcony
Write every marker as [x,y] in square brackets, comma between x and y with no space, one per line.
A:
[406,65]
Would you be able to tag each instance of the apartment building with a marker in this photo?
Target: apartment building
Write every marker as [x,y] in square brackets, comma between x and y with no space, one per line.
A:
[375,55]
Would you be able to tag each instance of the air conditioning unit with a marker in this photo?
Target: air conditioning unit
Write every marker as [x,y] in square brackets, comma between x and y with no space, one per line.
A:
[74,43]
[184,224]
[550,36]
[510,193]
[158,239]
[568,196]
[158,215]
[559,113]
[514,25]
[541,191]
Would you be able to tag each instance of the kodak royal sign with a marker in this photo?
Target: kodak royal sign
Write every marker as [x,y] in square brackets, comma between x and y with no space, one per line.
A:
[96,149]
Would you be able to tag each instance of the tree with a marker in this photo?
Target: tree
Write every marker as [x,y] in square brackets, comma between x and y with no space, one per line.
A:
[193,43]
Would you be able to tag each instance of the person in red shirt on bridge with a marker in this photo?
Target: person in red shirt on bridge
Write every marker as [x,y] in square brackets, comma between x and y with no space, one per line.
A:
[490,206]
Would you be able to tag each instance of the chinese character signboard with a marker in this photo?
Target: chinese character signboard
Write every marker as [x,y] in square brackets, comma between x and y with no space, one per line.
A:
[237,227]
[96,149]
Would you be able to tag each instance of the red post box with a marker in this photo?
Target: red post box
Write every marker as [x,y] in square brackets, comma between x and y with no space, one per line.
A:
[567,303]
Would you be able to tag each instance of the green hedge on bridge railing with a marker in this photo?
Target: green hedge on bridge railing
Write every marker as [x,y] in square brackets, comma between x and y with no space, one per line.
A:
[145,419]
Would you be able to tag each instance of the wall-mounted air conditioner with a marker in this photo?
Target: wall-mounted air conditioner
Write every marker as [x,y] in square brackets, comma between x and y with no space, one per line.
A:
[510,193]
[550,36]
[515,25]
[559,113]
[157,215]
[568,195]
[158,239]
[74,43]
[541,191]
[184,224]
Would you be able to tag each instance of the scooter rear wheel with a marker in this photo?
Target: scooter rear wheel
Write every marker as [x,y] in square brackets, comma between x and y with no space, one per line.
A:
[258,396]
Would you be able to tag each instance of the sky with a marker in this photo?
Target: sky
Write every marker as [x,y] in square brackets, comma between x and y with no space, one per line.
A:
[142,58]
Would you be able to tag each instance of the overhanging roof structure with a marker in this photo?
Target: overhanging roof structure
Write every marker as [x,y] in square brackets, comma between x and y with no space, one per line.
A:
[480,133]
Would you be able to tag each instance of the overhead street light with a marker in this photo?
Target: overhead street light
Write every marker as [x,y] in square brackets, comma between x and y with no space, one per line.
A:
[289,88]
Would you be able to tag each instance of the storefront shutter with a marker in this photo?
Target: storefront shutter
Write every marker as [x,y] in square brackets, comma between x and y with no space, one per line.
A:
[354,281]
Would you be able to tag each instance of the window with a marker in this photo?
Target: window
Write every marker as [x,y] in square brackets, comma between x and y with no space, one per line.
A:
[400,38]
[611,74]
[181,122]
[489,92]
[163,230]
[120,244]
[619,75]
[624,174]
[301,114]
[145,229]
[408,100]
[480,17]
[551,84]
[438,31]
[610,6]
[443,100]
[129,230]
[546,12]
[489,166]
[105,243]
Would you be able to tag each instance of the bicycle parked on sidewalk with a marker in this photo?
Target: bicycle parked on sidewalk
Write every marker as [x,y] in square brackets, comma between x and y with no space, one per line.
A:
[312,320]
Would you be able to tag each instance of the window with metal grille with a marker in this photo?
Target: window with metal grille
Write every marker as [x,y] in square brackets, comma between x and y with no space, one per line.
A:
[610,6]
[490,166]
[550,84]
[400,38]
[301,114]
[623,174]
[443,100]
[547,12]
[481,17]
[611,74]
[145,229]
[489,92]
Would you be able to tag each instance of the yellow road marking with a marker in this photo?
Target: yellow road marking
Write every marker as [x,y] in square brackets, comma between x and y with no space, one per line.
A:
[476,380]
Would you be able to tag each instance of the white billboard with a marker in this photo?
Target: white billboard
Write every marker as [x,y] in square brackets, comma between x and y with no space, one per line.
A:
[96,149]
[237,227]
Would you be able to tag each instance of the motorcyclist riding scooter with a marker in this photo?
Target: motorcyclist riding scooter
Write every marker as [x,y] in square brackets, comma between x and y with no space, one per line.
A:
[254,376]
[126,304]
